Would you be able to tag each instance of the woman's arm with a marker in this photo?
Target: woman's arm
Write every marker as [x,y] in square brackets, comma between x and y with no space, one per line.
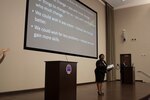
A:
[2,58]
[2,54]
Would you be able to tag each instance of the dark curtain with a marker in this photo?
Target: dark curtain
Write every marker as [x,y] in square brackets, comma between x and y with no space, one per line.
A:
[110,40]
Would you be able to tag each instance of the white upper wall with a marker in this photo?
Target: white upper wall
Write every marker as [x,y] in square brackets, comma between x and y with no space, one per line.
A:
[136,22]
[24,69]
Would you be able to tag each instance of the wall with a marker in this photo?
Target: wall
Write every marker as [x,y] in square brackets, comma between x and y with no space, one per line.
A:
[24,69]
[136,22]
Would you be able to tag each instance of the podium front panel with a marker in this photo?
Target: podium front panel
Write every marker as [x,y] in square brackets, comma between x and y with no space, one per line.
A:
[128,75]
[60,80]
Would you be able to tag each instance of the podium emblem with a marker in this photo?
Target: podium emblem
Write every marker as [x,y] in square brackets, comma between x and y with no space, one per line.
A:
[68,69]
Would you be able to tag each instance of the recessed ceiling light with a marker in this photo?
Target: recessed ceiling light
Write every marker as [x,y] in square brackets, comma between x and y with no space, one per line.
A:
[123,0]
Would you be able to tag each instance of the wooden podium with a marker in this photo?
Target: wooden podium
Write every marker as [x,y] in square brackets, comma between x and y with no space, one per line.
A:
[128,75]
[60,80]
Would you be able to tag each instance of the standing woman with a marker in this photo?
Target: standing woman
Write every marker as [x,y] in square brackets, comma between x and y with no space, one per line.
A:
[100,71]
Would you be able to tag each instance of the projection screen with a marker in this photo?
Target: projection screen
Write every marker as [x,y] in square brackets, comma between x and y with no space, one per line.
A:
[61,26]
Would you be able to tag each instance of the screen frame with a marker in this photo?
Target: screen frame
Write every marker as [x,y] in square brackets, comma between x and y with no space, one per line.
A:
[59,52]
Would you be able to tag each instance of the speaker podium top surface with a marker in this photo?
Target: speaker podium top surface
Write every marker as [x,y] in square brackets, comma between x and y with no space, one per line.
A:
[62,61]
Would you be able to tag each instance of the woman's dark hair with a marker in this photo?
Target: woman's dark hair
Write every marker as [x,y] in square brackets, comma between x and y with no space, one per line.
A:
[101,55]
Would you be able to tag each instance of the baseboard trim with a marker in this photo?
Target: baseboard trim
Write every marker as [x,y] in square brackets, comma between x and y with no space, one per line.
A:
[21,91]
[34,90]
[139,81]
[42,89]
[135,80]
[79,84]
[147,97]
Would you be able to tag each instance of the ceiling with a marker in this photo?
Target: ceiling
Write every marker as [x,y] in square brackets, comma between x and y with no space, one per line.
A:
[117,4]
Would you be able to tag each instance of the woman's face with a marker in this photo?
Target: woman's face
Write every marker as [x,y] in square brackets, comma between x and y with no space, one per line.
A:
[102,57]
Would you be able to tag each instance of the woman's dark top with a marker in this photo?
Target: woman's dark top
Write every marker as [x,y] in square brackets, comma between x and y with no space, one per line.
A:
[100,70]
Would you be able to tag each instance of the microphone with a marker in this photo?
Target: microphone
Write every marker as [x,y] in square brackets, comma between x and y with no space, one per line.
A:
[66,58]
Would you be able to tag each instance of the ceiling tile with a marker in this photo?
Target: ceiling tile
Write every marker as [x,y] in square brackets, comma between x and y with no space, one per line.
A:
[117,4]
